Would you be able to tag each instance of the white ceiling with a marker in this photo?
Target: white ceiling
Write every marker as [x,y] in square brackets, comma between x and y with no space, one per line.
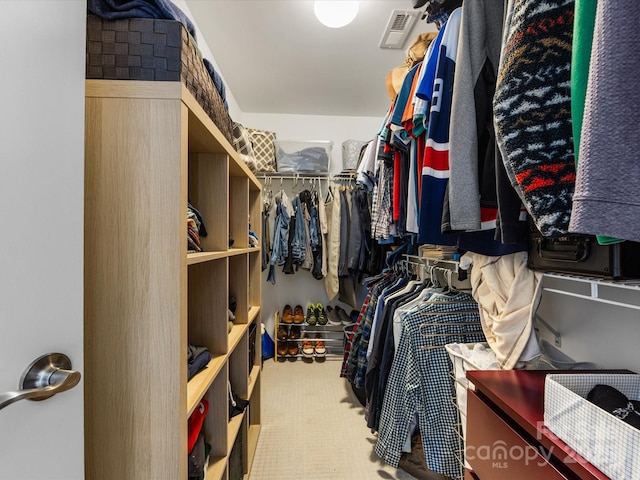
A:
[276,57]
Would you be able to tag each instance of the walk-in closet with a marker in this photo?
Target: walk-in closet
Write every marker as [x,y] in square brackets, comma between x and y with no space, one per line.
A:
[287,239]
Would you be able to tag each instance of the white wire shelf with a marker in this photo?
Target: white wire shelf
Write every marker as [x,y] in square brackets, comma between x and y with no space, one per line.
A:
[596,289]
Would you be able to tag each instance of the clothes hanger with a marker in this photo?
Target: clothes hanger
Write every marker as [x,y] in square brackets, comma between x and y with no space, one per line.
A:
[457,312]
[330,196]
[449,334]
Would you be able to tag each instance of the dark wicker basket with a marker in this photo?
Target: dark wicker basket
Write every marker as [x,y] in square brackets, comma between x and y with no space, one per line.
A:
[155,50]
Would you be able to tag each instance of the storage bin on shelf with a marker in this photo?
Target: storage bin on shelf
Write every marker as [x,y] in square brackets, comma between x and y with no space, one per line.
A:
[303,157]
[351,150]
[605,441]
[153,49]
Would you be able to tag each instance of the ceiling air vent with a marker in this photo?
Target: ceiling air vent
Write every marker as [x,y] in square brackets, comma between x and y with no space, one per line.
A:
[398,28]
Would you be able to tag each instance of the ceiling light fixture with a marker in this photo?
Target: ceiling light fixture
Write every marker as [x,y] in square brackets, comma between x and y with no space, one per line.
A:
[335,14]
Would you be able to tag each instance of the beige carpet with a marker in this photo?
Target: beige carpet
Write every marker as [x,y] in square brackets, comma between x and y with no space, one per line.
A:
[313,427]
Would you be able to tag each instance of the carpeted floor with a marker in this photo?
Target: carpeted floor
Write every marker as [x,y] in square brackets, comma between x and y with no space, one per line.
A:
[313,427]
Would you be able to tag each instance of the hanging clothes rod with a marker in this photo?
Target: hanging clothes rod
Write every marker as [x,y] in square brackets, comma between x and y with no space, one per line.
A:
[421,268]
[427,271]
[446,264]
[270,176]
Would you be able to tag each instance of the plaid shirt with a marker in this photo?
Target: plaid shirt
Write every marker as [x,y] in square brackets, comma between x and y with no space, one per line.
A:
[381,208]
[419,382]
[361,335]
[352,337]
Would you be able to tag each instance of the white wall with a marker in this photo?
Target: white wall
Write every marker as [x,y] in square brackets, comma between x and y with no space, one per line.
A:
[301,288]
[234,108]
[592,331]
[42,58]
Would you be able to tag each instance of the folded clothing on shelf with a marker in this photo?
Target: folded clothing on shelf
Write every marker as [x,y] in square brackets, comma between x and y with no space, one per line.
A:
[197,358]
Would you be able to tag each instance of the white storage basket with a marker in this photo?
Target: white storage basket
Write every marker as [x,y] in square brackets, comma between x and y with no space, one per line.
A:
[461,364]
[351,153]
[605,441]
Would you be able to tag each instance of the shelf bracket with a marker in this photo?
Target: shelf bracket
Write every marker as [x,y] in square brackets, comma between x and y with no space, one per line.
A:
[556,334]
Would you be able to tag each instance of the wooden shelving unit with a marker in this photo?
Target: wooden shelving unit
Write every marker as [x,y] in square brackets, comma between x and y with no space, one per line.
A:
[150,148]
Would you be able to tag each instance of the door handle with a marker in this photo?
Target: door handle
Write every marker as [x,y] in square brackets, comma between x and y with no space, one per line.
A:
[46,376]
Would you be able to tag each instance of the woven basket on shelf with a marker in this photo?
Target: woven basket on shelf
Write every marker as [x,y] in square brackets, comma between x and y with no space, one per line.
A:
[153,50]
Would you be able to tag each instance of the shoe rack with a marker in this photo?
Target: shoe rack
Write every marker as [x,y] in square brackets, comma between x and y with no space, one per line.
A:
[332,337]
[149,148]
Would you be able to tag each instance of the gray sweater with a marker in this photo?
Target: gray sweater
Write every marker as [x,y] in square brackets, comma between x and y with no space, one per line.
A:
[480,42]
[606,199]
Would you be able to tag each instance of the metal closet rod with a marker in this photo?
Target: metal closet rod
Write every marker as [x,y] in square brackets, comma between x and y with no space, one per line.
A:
[307,176]
[432,264]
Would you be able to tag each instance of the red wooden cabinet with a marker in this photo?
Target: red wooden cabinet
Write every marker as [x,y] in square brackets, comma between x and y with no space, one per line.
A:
[506,436]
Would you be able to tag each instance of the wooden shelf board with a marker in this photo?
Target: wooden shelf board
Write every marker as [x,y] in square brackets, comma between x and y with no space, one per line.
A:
[200,257]
[242,251]
[235,335]
[216,468]
[253,313]
[132,89]
[200,383]
[232,431]
[253,378]
[254,434]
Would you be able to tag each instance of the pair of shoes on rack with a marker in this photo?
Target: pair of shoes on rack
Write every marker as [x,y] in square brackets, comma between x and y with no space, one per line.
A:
[283,348]
[287,314]
[316,314]
[313,347]
[298,314]
[293,348]
[342,315]
[332,316]
[282,334]
[290,316]
[288,341]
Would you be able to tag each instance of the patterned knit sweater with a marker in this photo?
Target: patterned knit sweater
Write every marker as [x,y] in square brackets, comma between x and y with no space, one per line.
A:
[532,108]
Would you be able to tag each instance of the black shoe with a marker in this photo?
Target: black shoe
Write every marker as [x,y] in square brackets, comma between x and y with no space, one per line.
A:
[332,316]
[342,315]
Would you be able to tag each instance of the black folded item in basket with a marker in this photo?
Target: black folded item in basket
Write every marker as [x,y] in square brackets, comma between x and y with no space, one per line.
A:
[616,403]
